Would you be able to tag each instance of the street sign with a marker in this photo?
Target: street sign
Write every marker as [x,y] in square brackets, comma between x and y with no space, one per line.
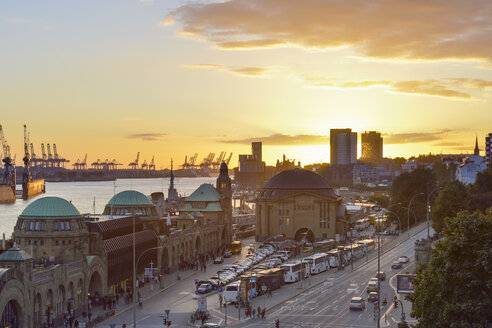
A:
[403,317]
[167,312]
[253,279]
[196,292]
[220,289]
[264,288]
[196,281]
[202,304]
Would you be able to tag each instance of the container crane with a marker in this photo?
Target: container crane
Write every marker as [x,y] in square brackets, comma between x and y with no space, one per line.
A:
[228,159]
[45,158]
[134,165]
[50,156]
[9,168]
[152,164]
[26,176]
[144,165]
[84,163]
[193,160]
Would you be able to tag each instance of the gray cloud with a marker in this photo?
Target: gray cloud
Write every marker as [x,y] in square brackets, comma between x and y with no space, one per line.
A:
[415,137]
[147,136]
[250,71]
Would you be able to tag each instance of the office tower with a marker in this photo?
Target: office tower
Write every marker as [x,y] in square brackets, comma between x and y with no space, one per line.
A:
[488,153]
[372,146]
[343,147]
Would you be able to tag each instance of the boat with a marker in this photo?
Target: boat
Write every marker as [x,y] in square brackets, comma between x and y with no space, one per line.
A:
[7,194]
[33,188]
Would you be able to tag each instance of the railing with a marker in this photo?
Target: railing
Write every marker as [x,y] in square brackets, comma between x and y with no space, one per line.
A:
[75,266]
[44,275]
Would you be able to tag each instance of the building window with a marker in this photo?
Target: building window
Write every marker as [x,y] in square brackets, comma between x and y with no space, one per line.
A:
[43,226]
[41,242]
[68,225]
[62,225]
[31,225]
[22,224]
[70,242]
[55,226]
[57,243]
[35,242]
[63,242]
[36,227]
[29,242]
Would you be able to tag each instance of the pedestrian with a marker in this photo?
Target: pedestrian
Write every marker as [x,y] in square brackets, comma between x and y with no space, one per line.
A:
[269,292]
[89,316]
[84,314]
[254,313]
[76,324]
[259,311]
[263,313]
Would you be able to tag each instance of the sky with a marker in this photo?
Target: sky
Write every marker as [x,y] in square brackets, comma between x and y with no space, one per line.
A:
[171,78]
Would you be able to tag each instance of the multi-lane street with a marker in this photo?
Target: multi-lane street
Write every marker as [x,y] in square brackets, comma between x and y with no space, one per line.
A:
[327,305]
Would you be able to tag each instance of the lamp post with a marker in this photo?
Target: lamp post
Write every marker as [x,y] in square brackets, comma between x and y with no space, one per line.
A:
[379,269]
[428,208]
[399,221]
[408,212]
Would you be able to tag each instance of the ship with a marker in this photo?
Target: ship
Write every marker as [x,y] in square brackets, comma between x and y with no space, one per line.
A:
[30,187]
[7,183]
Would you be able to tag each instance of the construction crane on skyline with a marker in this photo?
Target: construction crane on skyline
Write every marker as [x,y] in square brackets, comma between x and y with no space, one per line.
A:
[228,159]
[9,167]
[152,164]
[144,164]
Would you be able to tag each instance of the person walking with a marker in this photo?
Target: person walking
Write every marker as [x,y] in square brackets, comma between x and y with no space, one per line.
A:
[263,313]
[259,312]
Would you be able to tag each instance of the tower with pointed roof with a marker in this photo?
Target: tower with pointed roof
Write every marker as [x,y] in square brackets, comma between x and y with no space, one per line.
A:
[476,152]
[172,193]
[224,187]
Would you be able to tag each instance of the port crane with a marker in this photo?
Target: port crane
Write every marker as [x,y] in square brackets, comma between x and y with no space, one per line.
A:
[134,165]
[144,165]
[191,163]
[228,160]
[9,167]
[26,176]
[152,164]
[80,165]
[207,161]
[45,158]
[50,156]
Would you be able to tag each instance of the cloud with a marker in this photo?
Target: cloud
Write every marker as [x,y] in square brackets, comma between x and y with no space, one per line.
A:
[446,88]
[16,20]
[415,137]
[251,71]
[147,136]
[388,29]
[279,139]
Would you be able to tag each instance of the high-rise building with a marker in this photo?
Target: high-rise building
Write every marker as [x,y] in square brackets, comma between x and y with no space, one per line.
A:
[488,152]
[372,146]
[343,147]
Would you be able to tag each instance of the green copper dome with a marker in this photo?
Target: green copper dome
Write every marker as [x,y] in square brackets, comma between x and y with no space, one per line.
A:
[50,207]
[129,198]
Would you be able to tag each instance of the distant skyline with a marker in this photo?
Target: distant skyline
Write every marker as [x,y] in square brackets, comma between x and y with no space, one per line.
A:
[170,78]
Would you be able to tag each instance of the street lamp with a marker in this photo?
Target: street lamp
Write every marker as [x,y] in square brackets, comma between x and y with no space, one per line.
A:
[428,207]
[408,212]
[398,217]
[414,215]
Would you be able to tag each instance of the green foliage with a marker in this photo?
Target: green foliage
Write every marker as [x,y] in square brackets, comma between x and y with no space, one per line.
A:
[483,182]
[405,187]
[454,289]
[381,200]
[451,200]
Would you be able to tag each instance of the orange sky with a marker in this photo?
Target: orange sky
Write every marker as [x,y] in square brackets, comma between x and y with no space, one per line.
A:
[171,78]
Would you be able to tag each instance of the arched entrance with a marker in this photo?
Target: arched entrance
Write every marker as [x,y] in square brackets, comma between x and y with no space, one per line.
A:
[11,315]
[49,302]
[309,235]
[60,299]
[95,284]
[71,297]
[38,309]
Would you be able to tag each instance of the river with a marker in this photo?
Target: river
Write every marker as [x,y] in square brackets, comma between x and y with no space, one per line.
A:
[82,195]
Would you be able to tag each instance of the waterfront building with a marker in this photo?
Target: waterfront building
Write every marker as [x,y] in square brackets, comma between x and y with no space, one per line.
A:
[343,147]
[372,146]
[298,201]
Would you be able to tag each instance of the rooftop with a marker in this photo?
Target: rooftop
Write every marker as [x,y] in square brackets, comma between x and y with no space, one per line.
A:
[129,198]
[50,207]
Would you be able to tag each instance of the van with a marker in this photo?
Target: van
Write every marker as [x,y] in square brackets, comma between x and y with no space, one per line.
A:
[288,253]
[231,292]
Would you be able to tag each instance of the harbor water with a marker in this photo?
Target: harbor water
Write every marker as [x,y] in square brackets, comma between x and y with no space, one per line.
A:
[92,196]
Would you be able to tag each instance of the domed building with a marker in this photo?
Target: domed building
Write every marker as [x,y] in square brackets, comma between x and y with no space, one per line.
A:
[297,202]
[52,227]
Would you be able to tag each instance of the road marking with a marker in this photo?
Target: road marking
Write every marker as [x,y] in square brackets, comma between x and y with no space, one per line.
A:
[148,316]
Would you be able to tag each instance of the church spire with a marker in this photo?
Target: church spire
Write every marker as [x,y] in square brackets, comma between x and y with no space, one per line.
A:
[477,150]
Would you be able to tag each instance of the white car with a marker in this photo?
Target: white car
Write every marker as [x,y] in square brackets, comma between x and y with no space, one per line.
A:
[403,259]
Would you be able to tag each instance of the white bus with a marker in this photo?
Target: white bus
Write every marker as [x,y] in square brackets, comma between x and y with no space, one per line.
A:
[317,262]
[231,292]
[293,271]
[333,258]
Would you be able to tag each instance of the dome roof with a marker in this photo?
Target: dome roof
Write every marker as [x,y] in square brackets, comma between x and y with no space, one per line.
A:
[14,254]
[129,198]
[50,207]
[294,181]
[297,179]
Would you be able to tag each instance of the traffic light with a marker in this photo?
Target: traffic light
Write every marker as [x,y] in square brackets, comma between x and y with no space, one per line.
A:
[396,304]
[277,323]
[169,323]
[164,321]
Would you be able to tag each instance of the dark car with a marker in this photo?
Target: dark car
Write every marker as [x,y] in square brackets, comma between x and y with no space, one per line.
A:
[381,275]
[372,297]
[396,265]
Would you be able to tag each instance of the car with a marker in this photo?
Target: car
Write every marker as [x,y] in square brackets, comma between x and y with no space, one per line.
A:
[374,280]
[372,297]
[403,259]
[357,303]
[210,325]
[396,265]
[372,287]
[381,275]
[204,288]
[227,254]
[218,260]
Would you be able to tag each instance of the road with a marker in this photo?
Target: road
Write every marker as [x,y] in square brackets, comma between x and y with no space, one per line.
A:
[327,305]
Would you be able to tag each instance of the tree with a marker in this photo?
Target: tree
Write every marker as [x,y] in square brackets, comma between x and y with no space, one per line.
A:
[454,289]
[451,200]
[408,185]
[381,200]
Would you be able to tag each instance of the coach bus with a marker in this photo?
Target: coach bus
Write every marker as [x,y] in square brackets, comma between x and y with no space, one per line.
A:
[317,263]
[272,279]
[324,246]
[293,271]
[333,258]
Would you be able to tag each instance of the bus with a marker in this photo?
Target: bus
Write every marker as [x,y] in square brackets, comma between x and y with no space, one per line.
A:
[333,258]
[236,247]
[324,246]
[317,262]
[293,271]
[369,244]
[272,279]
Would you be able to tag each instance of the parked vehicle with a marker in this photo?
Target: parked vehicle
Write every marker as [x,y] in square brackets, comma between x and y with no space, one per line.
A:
[293,271]
[227,254]
[317,262]
[272,279]
[231,292]
[218,260]
[204,288]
